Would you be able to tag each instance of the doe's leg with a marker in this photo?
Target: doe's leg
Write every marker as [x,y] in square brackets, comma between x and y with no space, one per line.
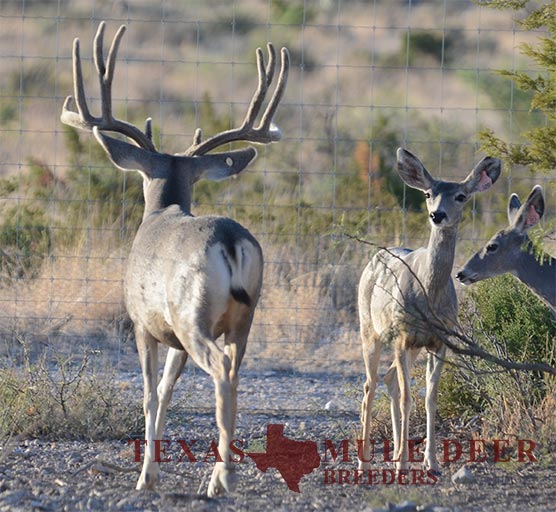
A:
[392,383]
[372,345]
[435,362]
[403,368]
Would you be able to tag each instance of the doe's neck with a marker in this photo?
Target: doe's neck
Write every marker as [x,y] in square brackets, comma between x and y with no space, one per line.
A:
[439,259]
[539,274]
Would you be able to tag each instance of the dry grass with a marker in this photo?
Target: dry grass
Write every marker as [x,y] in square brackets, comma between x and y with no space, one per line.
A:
[79,290]
[306,318]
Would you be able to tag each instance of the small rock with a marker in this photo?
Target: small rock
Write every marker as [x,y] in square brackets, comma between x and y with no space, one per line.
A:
[75,458]
[463,476]
[329,406]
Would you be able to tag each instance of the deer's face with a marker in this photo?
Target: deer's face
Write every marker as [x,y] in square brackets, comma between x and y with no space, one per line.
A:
[446,199]
[497,257]
[445,202]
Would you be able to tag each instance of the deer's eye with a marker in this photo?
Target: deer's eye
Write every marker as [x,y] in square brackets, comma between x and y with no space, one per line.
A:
[492,247]
[461,198]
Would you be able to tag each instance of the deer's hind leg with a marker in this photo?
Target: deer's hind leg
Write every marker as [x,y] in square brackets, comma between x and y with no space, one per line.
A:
[147,347]
[372,345]
[175,361]
[236,343]
[224,477]
[223,366]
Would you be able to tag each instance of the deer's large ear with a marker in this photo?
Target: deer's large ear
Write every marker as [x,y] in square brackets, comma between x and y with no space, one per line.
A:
[219,166]
[514,204]
[412,171]
[129,157]
[484,175]
[531,211]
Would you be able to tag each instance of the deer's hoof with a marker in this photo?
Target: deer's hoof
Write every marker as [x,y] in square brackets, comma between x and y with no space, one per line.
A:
[147,480]
[223,480]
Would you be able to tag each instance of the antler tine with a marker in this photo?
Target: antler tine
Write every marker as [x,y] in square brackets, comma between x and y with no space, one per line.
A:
[83,119]
[106,71]
[260,93]
[271,63]
[264,133]
[268,115]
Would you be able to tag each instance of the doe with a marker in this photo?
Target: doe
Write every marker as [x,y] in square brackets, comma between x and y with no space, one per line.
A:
[188,279]
[401,291]
[509,250]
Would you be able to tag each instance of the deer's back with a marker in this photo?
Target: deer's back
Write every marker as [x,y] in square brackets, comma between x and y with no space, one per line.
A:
[179,268]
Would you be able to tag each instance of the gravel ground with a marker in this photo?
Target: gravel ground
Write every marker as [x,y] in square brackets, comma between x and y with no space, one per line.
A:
[40,475]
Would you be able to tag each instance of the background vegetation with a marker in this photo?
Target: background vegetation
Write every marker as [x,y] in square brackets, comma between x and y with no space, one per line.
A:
[365,79]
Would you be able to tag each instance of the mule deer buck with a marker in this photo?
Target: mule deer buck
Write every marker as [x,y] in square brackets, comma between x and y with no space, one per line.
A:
[509,250]
[188,279]
[401,291]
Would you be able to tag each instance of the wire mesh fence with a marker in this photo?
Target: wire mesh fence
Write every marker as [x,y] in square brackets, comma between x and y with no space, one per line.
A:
[366,77]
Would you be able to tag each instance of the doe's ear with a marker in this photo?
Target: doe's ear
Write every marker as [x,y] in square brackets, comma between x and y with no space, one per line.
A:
[514,204]
[484,175]
[530,213]
[412,171]
[219,166]
[129,157]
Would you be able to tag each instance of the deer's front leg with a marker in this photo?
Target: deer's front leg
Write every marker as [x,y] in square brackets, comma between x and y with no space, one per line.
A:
[147,347]
[434,368]
[403,368]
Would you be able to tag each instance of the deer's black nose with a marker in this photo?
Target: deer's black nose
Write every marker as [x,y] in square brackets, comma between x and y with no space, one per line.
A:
[437,217]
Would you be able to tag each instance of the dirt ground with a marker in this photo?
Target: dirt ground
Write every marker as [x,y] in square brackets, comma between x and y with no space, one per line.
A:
[79,475]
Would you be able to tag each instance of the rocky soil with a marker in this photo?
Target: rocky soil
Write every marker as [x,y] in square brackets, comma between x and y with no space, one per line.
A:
[77,475]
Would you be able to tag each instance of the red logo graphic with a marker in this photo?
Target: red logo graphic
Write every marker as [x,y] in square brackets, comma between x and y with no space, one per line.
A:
[293,459]
[296,459]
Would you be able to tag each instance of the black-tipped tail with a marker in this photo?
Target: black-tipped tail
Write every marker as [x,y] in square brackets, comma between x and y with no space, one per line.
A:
[241,296]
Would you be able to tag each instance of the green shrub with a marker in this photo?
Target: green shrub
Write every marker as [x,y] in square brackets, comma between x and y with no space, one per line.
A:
[25,239]
[291,13]
[505,318]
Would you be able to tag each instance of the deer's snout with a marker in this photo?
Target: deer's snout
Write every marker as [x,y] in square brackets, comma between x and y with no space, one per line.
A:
[437,217]
[466,278]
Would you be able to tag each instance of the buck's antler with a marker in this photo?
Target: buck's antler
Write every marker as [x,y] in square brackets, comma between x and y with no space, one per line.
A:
[265,132]
[83,119]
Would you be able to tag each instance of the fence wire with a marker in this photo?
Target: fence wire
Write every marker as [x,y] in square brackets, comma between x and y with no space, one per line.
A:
[366,77]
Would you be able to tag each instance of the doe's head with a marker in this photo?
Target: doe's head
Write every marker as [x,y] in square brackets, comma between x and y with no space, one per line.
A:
[445,199]
[501,253]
